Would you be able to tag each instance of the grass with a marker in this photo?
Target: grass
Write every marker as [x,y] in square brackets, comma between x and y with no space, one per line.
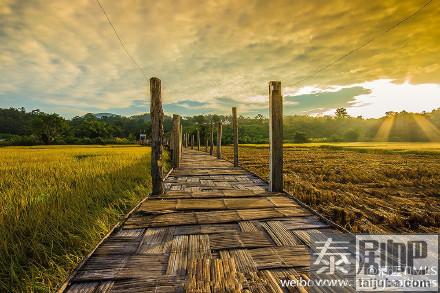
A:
[365,187]
[404,147]
[57,203]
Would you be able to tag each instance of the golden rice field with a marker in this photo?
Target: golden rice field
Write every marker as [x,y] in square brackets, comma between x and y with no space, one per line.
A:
[57,203]
[365,187]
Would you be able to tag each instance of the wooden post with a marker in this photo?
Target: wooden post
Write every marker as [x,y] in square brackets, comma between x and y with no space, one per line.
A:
[181,139]
[211,146]
[275,136]
[219,140]
[176,138]
[171,146]
[186,140]
[192,141]
[156,114]
[198,140]
[235,135]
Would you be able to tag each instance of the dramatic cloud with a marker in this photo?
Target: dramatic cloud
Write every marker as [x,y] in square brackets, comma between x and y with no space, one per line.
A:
[63,56]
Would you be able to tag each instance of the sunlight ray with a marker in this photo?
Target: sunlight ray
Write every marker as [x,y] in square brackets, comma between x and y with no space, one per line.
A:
[429,129]
[383,133]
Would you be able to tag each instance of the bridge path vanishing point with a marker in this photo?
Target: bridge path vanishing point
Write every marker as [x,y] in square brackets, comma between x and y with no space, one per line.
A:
[216,229]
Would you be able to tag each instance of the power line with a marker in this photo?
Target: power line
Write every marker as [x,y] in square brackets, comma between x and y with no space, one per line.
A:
[364,44]
[120,41]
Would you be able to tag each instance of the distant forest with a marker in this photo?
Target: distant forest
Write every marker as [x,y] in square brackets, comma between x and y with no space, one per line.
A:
[20,127]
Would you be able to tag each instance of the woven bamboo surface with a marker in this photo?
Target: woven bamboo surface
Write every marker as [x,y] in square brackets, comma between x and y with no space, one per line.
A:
[216,229]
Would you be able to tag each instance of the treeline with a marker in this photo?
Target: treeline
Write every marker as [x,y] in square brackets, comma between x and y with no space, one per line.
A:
[19,127]
[395,126]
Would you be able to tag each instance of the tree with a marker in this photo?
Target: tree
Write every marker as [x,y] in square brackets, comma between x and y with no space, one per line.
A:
[351,135]
[48,126]
[300,137]
[341,113]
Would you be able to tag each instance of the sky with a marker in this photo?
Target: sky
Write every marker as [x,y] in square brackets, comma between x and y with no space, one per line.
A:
[62,56]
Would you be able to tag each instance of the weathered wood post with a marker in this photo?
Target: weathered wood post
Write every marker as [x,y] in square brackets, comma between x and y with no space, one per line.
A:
[211,147]
[181,138]
[235,135]
[171,146]
[176,139]
[156,113]
[275,136]
[192,141]
[219,140]
[198,140]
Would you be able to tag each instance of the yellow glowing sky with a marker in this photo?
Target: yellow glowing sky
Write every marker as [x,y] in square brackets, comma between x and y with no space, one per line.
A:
[63,56]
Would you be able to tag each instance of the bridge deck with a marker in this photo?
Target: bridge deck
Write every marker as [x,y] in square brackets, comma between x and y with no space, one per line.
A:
[217,229]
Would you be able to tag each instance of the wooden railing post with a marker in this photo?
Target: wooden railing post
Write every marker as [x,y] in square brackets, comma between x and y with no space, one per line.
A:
[198,140]
[211,146]
[181,138]
[192,141]
[219,140]
[176,139]
[156,114]
[235,135]
[275,136]
[171,145]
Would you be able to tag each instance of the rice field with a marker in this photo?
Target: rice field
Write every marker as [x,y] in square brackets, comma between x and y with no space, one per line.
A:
[57,203]
[365,187]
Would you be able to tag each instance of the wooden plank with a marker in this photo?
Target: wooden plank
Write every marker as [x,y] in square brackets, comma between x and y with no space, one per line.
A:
[281,257]
[279,233]
[157,241]
[214,204]
[162,284]
[144,266]
[102,268]
[226,216]
[239,240]
[206,229]
[177,262]
[244,260]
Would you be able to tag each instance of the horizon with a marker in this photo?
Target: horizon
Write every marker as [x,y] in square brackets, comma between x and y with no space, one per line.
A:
[214,56]
[100,115]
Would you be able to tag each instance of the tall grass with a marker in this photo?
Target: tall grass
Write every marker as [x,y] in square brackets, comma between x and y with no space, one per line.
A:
[57,203]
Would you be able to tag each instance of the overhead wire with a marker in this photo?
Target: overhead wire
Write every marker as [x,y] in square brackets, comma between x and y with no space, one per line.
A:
[363,45]
[141,70]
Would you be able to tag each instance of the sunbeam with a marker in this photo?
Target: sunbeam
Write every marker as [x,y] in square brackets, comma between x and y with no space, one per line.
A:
[429,129]
[383,133]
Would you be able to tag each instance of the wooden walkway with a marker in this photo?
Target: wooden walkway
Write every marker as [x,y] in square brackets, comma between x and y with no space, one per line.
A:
[217,229]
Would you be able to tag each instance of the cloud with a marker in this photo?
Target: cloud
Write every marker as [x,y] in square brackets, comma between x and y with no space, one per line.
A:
[368,99]
[386,95]
[63,54]
[322,100]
